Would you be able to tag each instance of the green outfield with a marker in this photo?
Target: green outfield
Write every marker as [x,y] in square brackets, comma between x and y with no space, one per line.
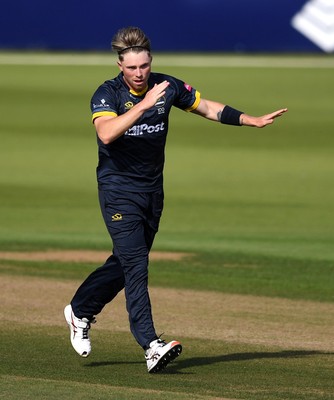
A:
[253,210]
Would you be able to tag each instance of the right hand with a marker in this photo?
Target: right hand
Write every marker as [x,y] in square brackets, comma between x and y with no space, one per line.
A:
[153,95]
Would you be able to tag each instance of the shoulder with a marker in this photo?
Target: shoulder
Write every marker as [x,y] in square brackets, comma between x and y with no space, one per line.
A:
[109,86]
[183,95]
[176,85]
[106,97]
[115,84]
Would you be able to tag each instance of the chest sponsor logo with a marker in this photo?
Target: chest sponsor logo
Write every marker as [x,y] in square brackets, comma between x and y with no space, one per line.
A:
[160,105]
[161,102]
[316,21]
[140,130]
[128,105]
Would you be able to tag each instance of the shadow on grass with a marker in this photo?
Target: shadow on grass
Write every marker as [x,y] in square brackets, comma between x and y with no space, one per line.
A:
[235,357]
[106,363]
[182,364]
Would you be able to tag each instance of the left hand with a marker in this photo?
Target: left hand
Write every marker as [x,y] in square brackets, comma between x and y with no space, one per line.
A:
[264,120]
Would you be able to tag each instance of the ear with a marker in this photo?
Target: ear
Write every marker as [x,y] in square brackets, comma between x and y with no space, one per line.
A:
[120,65]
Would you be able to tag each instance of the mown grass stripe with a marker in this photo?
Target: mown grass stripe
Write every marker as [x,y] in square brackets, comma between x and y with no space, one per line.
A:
[173,60]
[13,387]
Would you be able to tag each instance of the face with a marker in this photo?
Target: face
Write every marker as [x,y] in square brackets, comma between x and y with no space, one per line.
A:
[136,68]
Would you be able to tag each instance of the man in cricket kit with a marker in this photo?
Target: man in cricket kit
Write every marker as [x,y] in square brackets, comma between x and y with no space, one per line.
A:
[130,114]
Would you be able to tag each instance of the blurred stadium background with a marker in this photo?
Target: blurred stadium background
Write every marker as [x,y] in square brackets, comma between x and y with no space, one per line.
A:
[176,25]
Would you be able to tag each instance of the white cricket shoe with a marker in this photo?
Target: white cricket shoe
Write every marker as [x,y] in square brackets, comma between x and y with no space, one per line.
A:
[79,332]
[160,354]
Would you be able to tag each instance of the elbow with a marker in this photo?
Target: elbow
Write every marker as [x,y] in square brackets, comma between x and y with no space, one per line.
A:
[105,140]
[104,132]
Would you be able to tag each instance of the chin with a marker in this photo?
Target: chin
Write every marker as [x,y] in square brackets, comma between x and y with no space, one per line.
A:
[139,89]
[140,86]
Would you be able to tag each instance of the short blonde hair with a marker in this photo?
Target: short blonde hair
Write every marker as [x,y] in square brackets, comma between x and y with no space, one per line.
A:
[130,39]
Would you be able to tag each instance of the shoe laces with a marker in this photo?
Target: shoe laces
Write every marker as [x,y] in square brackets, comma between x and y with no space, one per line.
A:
[161,341]
[151,352]
[85,330]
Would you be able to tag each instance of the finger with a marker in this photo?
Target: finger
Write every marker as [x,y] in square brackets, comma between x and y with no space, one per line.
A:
[282,111]
[158,88]
[277,113]
[163,84]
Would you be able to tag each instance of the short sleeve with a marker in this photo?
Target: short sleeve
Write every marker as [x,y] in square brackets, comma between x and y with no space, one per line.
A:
[104,102]
[187,97]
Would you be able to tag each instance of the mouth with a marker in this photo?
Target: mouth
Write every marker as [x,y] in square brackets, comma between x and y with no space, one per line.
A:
[138,82]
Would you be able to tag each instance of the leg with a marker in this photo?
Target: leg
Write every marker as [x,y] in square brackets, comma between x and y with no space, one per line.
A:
[133,233]
[100,287]
[96,291]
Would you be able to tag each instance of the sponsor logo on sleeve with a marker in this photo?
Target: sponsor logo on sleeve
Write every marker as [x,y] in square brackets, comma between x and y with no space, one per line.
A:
[102,104]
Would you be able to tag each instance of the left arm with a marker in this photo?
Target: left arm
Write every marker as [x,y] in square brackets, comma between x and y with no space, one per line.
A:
[214,111]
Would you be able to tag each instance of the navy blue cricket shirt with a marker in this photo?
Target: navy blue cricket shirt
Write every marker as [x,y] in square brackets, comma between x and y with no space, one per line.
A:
[134,162]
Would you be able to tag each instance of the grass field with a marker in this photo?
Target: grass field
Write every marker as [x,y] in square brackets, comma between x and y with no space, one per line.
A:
[253,210]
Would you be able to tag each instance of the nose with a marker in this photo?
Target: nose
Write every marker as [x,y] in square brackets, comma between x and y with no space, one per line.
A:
[139,72]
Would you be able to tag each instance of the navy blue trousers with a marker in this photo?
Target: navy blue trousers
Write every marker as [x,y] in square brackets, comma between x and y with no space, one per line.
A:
[132,220]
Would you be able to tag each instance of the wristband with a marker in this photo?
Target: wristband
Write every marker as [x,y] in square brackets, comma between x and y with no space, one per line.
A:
[230,116]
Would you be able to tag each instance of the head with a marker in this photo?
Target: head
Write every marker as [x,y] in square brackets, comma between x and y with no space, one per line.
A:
[134,56]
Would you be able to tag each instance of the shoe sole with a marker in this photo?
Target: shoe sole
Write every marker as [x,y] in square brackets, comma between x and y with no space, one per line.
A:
[171,354]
